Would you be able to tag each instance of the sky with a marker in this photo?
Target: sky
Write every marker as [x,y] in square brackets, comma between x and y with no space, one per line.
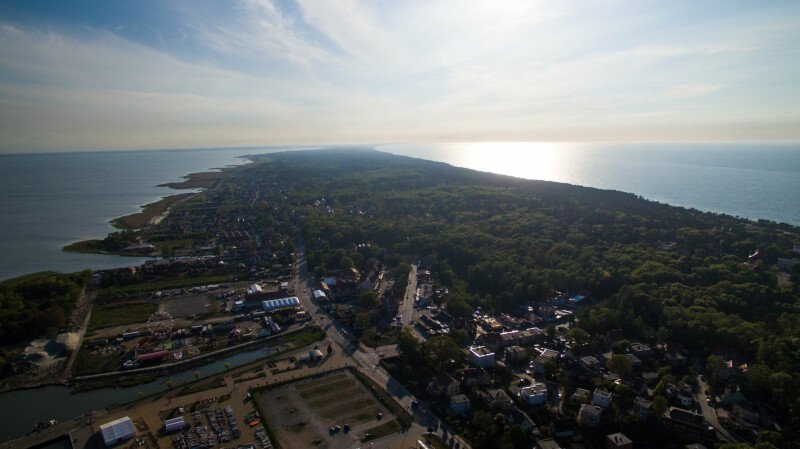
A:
[101,75]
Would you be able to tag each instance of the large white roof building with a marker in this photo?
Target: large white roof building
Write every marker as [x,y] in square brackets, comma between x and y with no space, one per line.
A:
[282,303]
[118,430]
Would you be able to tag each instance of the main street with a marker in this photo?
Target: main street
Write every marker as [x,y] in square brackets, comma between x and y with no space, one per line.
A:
[368,359]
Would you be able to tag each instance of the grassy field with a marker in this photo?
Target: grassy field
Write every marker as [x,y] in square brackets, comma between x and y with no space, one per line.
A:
[149,211]
[166,284]
[107,315]
[305,337]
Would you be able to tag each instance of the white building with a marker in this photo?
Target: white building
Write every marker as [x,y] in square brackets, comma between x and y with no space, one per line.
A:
[117,431]
[174,424]
[282,303]
[481,356]
[534,394]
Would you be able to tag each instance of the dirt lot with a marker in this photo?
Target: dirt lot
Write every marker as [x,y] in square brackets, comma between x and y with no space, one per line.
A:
[301,414]
[184,306]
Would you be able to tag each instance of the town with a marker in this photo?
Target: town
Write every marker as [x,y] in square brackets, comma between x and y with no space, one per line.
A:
[350,344]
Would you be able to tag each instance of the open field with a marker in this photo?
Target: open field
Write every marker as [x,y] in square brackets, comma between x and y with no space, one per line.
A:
[108,315]
[184,306]
[166,284]
[300,414]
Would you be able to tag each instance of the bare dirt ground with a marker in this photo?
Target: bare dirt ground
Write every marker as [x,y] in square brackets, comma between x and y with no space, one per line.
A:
[186,306]
[301,414]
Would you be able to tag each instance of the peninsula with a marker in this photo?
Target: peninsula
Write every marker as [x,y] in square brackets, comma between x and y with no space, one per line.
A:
[462,307]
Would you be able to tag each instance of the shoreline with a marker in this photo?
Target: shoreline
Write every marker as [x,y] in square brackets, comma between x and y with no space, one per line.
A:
[151,213]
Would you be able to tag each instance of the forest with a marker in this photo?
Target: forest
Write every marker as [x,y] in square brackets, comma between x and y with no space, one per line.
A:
[657,272]
[38,304]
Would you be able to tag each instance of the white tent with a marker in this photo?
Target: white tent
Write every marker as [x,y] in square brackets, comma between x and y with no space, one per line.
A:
[282,303]
[171,425]
[118,430]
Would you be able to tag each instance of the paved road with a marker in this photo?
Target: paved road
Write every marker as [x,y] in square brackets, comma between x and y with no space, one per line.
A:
[367,358]
[710,414]
[407,306]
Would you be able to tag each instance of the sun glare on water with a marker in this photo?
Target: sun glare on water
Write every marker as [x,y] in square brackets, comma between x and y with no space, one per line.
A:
[531,160]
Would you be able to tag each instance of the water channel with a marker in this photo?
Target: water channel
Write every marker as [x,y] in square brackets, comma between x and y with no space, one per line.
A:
[20,410]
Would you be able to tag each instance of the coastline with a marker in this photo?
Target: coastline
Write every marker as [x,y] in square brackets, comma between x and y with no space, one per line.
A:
[151,214]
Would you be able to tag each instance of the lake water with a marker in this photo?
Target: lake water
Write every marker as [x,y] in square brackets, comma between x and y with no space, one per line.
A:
[751,180]
[50,200]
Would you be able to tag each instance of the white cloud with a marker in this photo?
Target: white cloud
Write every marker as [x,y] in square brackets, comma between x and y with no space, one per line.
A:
[356,71]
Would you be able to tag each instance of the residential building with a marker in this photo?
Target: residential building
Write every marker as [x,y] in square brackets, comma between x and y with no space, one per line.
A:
[589,415]
[481,356]
[548,444]
[520,418]
[642,407]
[618,441]
[471,376]
[459,404]
[534,394]
[590,364]
[680,394]
[444,384]
[562,428]
[515,354]
[641,350]
[688,425]
[601,398]
[581,395]
[497,398]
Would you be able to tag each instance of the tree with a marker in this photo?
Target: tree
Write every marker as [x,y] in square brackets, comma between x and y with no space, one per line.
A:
[369,300]
[550,331]
[330,349]
[461,337]
[346,263]
[660,405]
[620,364]
[440,351]
[551,369]
[577,336]
[458,307]
[408,346]
[362,321]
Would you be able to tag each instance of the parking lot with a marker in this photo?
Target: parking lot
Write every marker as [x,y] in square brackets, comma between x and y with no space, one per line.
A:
[307,413]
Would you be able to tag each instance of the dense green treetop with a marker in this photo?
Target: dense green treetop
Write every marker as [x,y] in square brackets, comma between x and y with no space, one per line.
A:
[660,273]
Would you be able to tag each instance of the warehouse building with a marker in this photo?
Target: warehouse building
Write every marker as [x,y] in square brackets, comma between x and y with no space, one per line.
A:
[117,431]
[282,303]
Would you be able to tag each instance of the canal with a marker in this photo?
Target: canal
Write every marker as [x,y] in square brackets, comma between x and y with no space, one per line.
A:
[21,410]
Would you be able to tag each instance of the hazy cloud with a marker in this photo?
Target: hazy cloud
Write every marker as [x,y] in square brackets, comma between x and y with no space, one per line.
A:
[267,72]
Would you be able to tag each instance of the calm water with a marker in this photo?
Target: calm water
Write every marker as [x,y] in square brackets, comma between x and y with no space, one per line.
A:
[751,180]
[21,410]
[50,200]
